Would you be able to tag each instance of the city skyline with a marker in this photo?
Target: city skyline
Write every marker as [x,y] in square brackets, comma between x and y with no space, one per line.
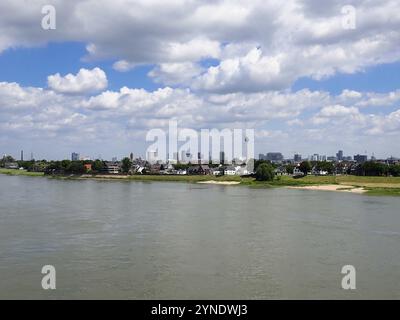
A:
[185,155]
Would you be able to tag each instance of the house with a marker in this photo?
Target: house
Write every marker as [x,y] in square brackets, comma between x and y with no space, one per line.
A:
[138,169]
[297,173]
[181,172]
[201,169]
[111,168]
[11,165]
[317,172]
[280,171]
[156,168]
[88,167]
[242,170]
[230,171]
[216,171]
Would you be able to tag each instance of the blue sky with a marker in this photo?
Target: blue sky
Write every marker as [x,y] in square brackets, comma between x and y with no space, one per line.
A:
[381,78]
[109,73]
[31,66]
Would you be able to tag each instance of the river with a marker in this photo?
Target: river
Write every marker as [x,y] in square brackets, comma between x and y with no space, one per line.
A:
[161,240]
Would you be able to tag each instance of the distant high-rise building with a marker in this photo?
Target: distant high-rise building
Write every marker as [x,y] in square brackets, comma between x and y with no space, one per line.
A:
[131,156]
[274,156]
[22,155]
[114,159]
[360,158]
[339,155]
[222,157]
[74,156]
[297,157]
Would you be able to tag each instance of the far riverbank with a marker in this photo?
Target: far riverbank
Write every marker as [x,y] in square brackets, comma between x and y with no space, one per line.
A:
[342,183]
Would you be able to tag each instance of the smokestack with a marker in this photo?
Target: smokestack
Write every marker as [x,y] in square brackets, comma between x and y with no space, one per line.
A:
[22,155]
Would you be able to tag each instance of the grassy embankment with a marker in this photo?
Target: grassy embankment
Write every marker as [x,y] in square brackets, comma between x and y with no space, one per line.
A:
[373,185]
[16,172]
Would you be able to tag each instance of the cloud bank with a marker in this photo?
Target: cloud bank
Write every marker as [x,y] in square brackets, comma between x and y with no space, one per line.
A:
[219,64]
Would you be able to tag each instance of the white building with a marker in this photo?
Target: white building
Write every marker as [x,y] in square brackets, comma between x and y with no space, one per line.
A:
[230,171]
[241,171]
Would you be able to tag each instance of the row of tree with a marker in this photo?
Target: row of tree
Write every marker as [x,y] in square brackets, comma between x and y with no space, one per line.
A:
[265,170]
[369,168]
[372,168]
[73,167]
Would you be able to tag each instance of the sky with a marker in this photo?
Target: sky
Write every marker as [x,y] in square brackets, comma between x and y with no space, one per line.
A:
[308,76]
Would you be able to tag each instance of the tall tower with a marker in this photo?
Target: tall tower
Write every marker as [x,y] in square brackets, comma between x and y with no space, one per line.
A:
[22,155]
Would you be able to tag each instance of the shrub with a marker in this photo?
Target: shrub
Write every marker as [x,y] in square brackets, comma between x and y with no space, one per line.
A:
[265,172]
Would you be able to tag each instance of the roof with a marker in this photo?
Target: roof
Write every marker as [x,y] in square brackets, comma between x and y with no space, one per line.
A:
[230,168]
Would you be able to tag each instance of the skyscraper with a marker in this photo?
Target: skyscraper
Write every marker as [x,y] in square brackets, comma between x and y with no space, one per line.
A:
[74,156]
[360,158]
[222,157]
[297,157]
[274,156]
[339,155]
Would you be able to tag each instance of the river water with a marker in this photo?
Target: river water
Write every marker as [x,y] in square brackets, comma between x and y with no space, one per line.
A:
[152,240]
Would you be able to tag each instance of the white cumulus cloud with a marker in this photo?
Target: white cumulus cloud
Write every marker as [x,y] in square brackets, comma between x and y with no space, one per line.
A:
[84,81]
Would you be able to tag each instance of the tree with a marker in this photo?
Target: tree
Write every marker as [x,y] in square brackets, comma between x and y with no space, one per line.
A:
[371,168]
[126,165]
[65,164]
[394,170]
[305,167]
[180,166]
[76,167]
[98,165]
[289,168]
[265,172]
[28,165]
[325,166]
[257,163]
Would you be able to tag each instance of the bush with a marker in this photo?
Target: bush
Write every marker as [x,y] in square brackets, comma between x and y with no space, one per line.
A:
[265,172]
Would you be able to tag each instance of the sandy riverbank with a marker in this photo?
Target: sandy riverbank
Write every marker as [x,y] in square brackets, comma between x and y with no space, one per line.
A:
[332,187]
[228,183]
